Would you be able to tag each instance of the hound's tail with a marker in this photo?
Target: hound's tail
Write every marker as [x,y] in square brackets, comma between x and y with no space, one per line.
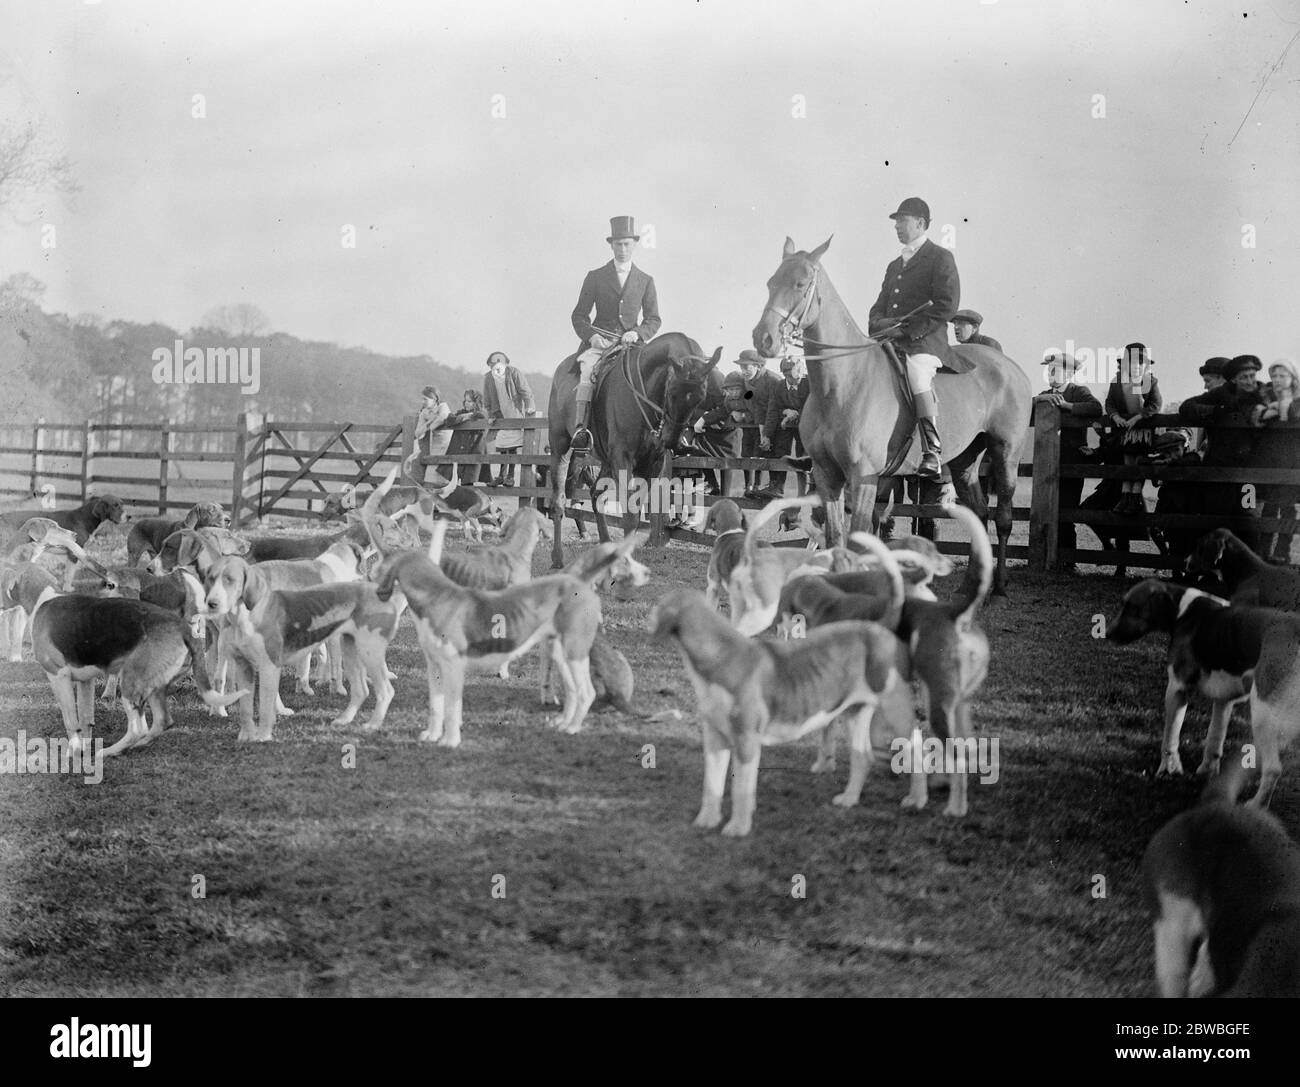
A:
[772,509]
[889,563]
[200,667]
[981,558]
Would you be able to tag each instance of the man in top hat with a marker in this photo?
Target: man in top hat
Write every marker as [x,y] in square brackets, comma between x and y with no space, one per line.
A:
[627,311]
[1212,371]
[918,298]
[966,327]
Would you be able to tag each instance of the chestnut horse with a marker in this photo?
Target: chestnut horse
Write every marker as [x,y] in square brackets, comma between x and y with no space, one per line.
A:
[856,412]
[628,423]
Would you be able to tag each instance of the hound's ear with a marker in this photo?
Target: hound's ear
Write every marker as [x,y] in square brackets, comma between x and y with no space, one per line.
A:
[253,591]
[789,250]
[191,518]
[820,251]
[713,360]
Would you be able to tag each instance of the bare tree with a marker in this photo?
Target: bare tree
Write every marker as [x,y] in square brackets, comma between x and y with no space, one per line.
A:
[21,289]
[29,164]
[240,319]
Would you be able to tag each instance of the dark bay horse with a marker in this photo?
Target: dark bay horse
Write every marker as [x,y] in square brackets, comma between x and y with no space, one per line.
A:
[630,430]
[856,413]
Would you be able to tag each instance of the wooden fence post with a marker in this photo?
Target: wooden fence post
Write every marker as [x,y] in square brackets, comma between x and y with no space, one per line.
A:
[164,465]
[408,444]
[87,452]
[36,454]
[239,469]
[658,518]
[528,473]
[1045,501]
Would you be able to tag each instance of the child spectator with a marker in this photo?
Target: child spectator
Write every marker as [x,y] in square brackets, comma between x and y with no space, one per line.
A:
[431,437]
[1133,398]
[506,395]
[1061,369]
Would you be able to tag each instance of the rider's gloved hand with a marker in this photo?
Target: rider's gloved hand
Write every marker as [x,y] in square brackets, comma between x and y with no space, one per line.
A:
[631,337]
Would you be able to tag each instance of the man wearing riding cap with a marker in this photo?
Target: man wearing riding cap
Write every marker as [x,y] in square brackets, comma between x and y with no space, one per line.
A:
[627,311]
[966,327]
[918,298]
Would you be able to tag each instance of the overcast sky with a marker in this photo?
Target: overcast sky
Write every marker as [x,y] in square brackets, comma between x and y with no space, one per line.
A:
[725,126]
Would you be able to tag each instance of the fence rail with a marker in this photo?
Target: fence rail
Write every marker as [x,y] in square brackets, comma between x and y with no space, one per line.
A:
[286,468]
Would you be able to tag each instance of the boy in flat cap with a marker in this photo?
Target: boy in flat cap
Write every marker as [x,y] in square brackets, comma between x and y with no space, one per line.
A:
[626,311]
[922,278]
[1061,369]
[966,327]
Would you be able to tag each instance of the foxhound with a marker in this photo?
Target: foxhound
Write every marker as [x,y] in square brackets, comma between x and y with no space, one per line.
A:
[1228,652]
[462,629]
[290,548]
[18,574]
[1247,579]
[82,522]
[77,639]
[1223,883]
[756,692]
[149,535]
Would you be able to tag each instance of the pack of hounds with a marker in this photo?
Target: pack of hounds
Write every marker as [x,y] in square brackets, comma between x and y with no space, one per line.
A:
[815,639]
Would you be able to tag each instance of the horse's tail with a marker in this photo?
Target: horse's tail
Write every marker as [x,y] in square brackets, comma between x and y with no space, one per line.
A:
[981,564]
[772,509]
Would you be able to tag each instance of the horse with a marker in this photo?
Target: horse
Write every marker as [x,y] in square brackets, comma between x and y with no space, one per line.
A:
[856,412]
[628,423]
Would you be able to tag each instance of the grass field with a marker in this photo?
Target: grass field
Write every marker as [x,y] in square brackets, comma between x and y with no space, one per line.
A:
[379,879]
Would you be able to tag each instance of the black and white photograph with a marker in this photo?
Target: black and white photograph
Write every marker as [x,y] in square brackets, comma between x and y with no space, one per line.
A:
[692,499]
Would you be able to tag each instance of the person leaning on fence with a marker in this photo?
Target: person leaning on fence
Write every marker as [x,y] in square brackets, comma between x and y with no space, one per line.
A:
[781,427]
[1227,414]
[471,411]
[1133,398]
[722,426]
[759,384]
[506,395]
[1279,449]
[431,437]
[1061,369]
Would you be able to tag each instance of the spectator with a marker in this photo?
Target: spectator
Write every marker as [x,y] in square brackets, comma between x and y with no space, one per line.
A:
[506,395]
[471,411]
[722,425]
[781,426]
[1133,398]
[431,437]
[759,385]
[1076,400]
[1226,413]
[1280,449]
[966,327]
[1212,370]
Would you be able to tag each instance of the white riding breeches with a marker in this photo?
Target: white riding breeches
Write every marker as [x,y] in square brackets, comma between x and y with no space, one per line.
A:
[921,370]
[587,363]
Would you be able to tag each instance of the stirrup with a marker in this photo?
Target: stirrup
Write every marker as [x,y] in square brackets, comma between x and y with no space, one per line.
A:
[581,442]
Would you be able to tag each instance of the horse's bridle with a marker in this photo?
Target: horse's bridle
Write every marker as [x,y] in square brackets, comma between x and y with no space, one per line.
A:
[792,326]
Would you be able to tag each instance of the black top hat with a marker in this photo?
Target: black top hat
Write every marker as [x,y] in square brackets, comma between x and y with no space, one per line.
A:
[622,226]
[913,205]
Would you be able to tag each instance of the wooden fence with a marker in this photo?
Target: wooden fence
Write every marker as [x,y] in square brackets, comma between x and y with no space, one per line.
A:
[285,469]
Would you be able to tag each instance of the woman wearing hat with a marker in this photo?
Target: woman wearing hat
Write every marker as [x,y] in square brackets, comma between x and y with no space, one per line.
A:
[626,311]
[506,395]
[1133,398]
[431,435]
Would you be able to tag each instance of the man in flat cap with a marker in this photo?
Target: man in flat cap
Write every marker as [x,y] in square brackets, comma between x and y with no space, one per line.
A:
[966,327]
[626,311]
[781,426]
[921,290]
